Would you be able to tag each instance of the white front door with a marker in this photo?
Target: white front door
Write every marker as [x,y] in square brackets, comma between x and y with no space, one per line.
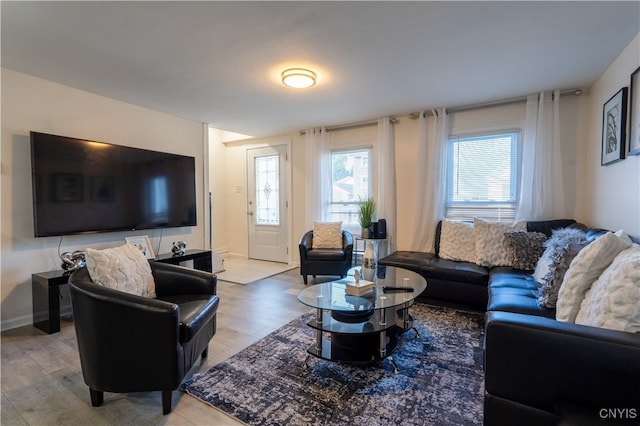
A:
[267,203]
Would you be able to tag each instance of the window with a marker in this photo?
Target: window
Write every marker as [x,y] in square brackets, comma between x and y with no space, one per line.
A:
[350,183]
[482,176]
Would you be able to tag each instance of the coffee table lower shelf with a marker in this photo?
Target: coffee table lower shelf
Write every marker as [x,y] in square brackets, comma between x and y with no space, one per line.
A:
[351,348]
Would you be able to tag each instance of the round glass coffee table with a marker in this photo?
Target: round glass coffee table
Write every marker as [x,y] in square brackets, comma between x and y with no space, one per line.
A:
[362,329]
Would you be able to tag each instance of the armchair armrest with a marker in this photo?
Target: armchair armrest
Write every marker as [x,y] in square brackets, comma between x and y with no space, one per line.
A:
[542,362]
[347,242]
[305,244]
[173,279]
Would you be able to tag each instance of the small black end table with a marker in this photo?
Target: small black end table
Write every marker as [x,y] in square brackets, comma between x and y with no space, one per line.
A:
[45,287]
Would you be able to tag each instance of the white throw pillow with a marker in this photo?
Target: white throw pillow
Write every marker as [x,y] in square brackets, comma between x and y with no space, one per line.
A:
[457,241]
[327,235]
[121,268]
[614,299]
[491,243]
[586,267]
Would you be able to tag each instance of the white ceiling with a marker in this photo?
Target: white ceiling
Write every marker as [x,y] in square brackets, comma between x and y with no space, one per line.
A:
[219,62]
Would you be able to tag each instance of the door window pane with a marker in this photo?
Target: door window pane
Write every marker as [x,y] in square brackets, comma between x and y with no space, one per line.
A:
[267,209]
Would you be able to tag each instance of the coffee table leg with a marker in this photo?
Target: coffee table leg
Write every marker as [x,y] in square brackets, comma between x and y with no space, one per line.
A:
[407,320]
[319,319]
[383,333]
[383,340]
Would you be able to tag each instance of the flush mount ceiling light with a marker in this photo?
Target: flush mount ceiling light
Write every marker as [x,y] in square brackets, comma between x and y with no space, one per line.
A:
[299,78]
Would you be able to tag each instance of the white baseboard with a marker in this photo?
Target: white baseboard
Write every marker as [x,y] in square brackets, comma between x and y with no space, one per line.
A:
[20,321]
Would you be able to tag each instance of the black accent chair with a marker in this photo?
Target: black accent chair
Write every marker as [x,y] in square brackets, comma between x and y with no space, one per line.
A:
[129,343]
[325,261]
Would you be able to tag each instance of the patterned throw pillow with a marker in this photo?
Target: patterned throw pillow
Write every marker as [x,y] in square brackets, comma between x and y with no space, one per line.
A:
[457,241]
[560,262]
[559,238]
[491,243]
[525,248]
[585,269]
[121,268]
[614,299]
[327,235]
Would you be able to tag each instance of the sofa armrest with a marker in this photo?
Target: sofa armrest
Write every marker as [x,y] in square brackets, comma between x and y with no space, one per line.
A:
[542,362]
[173,279]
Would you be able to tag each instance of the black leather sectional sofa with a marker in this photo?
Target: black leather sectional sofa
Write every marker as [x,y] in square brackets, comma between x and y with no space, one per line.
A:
[538,371]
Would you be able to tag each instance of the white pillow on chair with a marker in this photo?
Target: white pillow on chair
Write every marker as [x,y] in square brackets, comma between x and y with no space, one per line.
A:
[121,268]
[327,235]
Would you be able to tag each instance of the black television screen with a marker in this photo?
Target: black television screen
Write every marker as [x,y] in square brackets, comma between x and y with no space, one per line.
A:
[82,186]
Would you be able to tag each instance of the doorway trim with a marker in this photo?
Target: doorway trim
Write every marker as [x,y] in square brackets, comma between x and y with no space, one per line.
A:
[289,191]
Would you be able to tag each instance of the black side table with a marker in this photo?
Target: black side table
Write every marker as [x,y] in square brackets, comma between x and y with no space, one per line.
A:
[201,259]
[45,294]
[45,287]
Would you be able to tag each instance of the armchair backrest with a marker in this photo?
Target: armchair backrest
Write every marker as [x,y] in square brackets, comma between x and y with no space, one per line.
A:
[306,242]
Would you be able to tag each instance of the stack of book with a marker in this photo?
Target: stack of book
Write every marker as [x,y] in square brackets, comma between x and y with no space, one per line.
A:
[359,288]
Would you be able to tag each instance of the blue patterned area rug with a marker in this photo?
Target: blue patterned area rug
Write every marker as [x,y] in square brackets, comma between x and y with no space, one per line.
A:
[440,378]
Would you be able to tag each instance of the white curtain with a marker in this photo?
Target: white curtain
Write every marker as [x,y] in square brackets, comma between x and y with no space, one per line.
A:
[318,172]
[386,194]
[430,181]
[541,189]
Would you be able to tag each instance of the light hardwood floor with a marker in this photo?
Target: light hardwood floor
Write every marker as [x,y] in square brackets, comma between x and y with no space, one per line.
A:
[42,381]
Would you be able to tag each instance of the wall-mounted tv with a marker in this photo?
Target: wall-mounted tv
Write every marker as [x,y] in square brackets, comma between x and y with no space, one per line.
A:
[82,186]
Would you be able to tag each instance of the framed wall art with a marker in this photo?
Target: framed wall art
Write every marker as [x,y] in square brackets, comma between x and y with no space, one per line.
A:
[102,189]
[67,187]
[614,121]
[634,114]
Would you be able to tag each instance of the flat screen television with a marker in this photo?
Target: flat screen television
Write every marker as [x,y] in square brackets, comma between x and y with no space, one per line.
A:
[82,186]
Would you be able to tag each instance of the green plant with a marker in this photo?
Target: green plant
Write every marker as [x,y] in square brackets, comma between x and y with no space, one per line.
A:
[366,212]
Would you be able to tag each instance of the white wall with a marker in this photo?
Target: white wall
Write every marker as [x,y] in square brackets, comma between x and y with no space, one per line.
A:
[609,196]
[29,103]
[219,191]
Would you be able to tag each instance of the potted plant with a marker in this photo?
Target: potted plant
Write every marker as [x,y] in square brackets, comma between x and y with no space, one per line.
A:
[366,212]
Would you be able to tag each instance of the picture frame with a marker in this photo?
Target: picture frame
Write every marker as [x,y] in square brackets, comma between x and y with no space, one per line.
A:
[143,244]
[614,121]
[634,114]
[67,187]
[102,189]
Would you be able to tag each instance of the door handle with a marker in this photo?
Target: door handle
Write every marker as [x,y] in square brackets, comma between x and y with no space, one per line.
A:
[250,213]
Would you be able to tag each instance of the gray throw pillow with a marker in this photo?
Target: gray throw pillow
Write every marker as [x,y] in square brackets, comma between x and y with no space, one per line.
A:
[559,238]
[560,261]
[525,248]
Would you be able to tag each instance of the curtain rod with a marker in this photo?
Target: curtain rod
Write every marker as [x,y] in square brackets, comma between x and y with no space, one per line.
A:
[416,115]
[572,92]
[392,120]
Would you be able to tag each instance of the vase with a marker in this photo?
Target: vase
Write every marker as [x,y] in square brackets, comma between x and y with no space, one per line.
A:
[364,232]
[369,262]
